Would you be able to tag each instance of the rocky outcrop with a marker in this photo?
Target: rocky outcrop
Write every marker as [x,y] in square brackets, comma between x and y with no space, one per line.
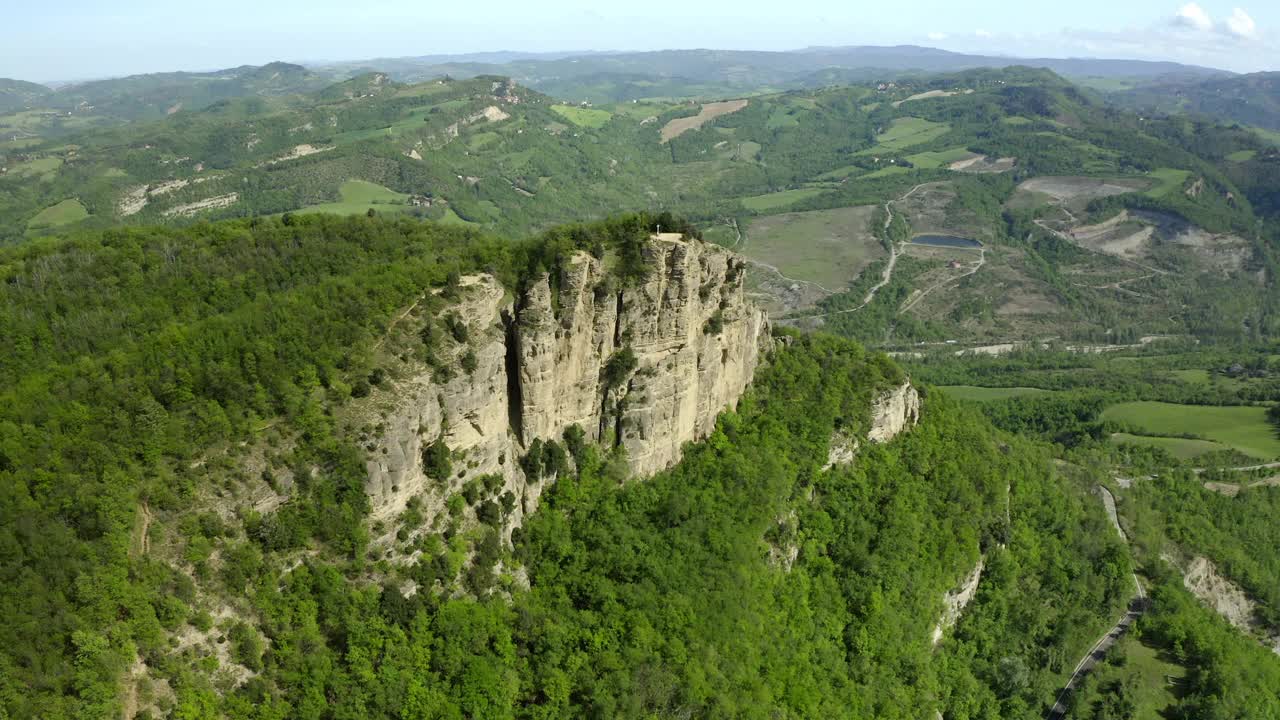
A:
[954,603]
[695,340]
[469,413]
[647,368]
[895,411]
[1202,579]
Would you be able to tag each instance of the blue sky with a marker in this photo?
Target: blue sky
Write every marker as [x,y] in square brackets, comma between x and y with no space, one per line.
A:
[78,39]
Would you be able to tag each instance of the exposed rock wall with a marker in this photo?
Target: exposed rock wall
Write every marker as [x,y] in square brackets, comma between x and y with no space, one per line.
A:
[696,341]
[895,411]
[1202,579]
[954,602]
[540,369]
[469,413]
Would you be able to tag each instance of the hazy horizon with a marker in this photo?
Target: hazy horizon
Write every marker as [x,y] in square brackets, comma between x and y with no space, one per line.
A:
[81,40]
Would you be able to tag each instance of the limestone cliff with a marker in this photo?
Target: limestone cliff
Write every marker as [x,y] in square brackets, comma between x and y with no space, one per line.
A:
[540,367]
[695,339]
[895,411]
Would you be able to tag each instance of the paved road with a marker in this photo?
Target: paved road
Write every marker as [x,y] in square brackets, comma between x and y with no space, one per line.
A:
[1099,650]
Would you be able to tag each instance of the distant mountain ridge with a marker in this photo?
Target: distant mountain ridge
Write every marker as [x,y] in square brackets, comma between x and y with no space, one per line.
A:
[593,76]
[612,77]
[152,96]
[1252,99]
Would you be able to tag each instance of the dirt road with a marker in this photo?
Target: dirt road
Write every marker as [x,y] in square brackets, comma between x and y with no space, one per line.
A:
[982,260]
[895,251]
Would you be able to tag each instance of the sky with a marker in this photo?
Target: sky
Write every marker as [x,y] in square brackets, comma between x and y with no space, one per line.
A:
[85,39]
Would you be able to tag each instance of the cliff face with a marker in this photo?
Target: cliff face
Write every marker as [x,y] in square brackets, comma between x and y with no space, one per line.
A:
[695,339]
[893,412]
[541,368]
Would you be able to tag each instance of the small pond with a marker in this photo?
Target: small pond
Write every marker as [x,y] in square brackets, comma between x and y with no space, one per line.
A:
[951,241]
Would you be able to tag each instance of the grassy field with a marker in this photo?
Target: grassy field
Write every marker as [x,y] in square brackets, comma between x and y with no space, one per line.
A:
[983,394]
[940,158]
[779,200]
[905,132]
[359,196]
[64,213]
[1168,180]
[828,247]
[1153,674]
[886,172]
[1270,136]
[585,117]
[39,166]
[452,218]
[1242,155]
[1183,448]
[1244,428]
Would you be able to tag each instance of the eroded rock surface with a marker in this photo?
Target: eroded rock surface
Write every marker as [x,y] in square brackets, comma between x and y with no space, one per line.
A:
[540,367]
[1202,579]
[954,602]
[895,411]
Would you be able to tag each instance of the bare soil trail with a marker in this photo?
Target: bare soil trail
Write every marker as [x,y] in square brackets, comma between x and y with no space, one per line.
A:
[395,322]
[982,260]
[1098,652]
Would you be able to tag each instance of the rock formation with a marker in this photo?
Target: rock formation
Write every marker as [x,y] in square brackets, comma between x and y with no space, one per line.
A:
[954,602]
[895,411]
[695,339]
[647,367]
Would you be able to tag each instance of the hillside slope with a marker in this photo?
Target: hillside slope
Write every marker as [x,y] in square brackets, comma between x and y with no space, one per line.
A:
[1252,99]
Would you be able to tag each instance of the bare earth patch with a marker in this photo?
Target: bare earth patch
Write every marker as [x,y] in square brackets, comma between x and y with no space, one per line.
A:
[1064,189]
[299,151]
[168,187]
[984,164]
[709,112]
[220,201]
[931,94]
[1229,600]
[133,201]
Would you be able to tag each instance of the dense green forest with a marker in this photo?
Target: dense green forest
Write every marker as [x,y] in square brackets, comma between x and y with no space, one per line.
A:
[164,355]
[197,336]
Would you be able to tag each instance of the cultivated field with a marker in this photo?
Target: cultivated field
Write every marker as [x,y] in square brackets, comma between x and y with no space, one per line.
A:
[984,394]
[780,200]
[1244,428]
[64,213]
[586,117]
[359,196]
[1183,448]
[827,247]
[905,132]
[1168,180]
[709,112]
[938,158]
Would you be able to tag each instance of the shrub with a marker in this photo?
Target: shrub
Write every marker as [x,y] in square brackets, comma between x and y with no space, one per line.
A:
[436,461]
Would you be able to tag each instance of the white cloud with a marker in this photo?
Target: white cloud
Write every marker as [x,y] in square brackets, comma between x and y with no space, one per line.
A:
[1193,16]
[1241,25]
[936,36]
[982,33]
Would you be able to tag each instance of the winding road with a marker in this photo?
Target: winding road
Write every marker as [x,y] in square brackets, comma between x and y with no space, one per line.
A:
[895,250]
[1099,650]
